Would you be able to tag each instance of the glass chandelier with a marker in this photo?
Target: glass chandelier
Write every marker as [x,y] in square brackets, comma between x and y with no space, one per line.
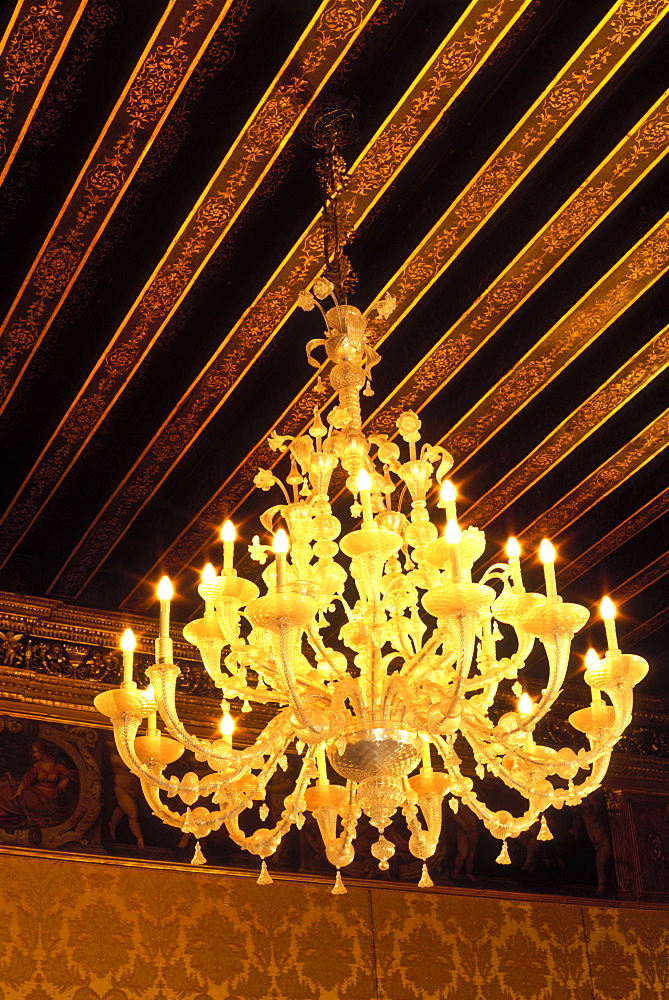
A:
[424,662]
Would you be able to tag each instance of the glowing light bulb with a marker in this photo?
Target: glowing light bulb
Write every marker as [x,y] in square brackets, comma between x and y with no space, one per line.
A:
[164,596]
[208,574]
[281,542]
[128,646]
[227,727]
[447,497]
[228,534]
[591,659]
[128,641]
[525,704]
[547,556]
[513,548]
[607,610]
[363,481]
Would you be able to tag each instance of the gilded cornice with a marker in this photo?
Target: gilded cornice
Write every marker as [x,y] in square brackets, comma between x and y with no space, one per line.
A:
[30,51]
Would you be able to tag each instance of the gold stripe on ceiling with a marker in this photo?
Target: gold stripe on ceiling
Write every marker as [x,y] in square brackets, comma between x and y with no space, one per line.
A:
[587,418]
[618,29]
[614,539]
[30,52]
[617,469]
[595,311]
[178,42]
[646,577]
[318,52]
[606,187]
[642,631]
[446,74]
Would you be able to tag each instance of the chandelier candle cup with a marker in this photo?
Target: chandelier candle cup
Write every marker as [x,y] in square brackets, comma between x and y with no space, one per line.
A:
[547,556]
[607,610]
[228,535]
[128,647]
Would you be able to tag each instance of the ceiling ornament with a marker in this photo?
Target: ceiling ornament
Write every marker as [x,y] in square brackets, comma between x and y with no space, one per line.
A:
[385,663]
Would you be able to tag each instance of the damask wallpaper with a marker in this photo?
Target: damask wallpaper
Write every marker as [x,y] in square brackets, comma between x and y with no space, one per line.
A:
[77,930]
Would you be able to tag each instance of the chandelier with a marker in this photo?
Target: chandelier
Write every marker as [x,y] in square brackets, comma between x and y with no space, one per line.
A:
[424,663]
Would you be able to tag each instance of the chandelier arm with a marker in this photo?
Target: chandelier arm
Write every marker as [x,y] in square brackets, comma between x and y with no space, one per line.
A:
[158,808]
[257,844]
[240,690]
[164,696]
[494,820]
[125,731]
[465,644]
[347,689]
[287,677]
[321,648]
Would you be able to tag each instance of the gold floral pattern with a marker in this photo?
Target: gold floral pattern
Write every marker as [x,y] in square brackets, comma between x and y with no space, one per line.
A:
[82,931]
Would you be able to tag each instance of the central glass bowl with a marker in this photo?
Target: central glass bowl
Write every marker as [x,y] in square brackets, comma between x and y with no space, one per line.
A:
[375,750]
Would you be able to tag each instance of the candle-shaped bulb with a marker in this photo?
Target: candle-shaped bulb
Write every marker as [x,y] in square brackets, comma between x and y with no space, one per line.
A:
[447,491]
[513,548]
[546,552]
[607,610]
[525,704]
[128,646]
[227,727]
[208,574]
[228,539]
[128,642]
[452,533]
[447,498]
[591,659]
[363,481]
[281,542]
[165,589]
[547,556]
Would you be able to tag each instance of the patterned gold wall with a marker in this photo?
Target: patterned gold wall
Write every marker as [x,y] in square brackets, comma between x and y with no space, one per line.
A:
[102,931]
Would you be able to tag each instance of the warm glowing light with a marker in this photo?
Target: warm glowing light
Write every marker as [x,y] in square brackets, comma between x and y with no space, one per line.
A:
[513,548]
[128,642]
[281,541]
[607,609]
[363,481]
[228,532]
[452,533]
[165,590]
[208,574]
[227,725]
[591,659]
[525,704]
[447,491]
[149,693]
[546,552]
